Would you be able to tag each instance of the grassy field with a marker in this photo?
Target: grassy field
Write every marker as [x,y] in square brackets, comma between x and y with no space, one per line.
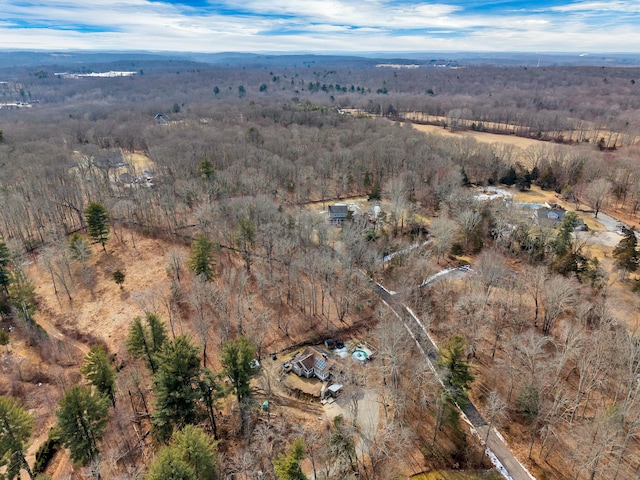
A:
[139,161]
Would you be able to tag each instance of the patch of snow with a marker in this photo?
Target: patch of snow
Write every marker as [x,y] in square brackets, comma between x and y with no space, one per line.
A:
[466,420]
[341,352]
[464,268]
[415,317]
[436,275]
[498,464]
[499,435]
[388,258]
[491,193]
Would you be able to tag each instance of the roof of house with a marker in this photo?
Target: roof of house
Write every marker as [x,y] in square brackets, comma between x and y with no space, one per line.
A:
[307,361]
[311,359]
[338,209]
[321,365]
[551,213]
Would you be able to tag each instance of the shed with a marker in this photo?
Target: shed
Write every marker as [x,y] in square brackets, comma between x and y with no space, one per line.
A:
[330,343]
[334,389]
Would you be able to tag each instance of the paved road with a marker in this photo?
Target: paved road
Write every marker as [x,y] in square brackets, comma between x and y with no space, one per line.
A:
[495,444]
[513,468]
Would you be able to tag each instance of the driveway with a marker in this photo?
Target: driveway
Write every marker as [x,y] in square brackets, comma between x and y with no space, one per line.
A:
[368,408]
[610,238]
[506,463]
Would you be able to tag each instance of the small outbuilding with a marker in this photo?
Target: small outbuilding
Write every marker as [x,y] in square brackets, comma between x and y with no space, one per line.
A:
[330,343]
[334,389]
[553,215]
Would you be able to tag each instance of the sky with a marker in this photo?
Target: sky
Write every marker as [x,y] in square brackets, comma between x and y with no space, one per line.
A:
[322,26]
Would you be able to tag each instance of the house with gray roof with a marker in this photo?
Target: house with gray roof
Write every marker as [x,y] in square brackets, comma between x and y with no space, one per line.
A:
[338,213]
[312,362]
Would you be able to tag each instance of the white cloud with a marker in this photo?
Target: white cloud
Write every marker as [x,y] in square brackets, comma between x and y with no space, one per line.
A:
[315,25]
[600,7]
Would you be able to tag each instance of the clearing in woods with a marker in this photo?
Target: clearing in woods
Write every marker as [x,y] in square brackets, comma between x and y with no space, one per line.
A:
[520,143]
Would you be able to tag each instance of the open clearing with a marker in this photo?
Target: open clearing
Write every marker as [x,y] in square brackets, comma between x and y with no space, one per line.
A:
[520,143]
[139,161]
[106,312]
[483,137]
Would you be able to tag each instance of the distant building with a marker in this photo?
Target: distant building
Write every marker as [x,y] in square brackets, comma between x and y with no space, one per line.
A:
[160,119]
[338,213]
[553,216]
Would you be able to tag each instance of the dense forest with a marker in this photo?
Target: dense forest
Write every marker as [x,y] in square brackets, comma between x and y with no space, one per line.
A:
[165,248]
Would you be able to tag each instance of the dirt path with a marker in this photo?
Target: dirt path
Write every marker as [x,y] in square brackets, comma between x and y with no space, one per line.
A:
[55,333]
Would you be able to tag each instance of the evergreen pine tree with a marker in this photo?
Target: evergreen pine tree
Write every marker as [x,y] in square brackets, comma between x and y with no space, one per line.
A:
[510,177]
[22,295]
[15,430]
[175,385]
[626,252]
[146,341]
[97,219]
[457,376]
[5,261]
[168,465]
[98,370]
[118,277]
[202,260]
[237,359]
[287,467]
[191,456]
[563,241]
[82,418]
[196,448]
[206,168]
[79,249]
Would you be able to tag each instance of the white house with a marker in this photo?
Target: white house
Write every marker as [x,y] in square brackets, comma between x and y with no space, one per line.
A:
[312,362]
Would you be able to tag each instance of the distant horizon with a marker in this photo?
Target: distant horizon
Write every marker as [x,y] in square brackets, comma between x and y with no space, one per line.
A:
[343,27]
[354,53]
[381,55]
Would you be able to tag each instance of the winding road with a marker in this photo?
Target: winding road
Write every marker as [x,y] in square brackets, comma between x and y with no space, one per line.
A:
[497,450]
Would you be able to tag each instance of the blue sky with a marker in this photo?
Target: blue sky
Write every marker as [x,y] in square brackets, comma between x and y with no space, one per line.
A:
[327,26]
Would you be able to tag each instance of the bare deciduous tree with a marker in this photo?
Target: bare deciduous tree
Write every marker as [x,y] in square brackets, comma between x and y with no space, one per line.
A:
[443,232]
[557,296]
[596,193]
